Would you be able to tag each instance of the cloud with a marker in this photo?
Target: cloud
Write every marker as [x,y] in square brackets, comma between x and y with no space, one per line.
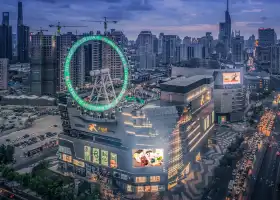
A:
[252,11]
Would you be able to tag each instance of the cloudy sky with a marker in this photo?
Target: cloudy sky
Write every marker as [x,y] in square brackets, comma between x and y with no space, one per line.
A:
[182,17]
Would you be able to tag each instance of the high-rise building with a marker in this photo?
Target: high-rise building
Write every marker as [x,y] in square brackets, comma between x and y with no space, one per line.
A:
[43,65]
[155,44]
[160,43]
[22,37]
[267,37]
[4,62]
[238,48]
[6,38]
[77,66]
[275,59]
[170,42]
[225,29]
[146,56]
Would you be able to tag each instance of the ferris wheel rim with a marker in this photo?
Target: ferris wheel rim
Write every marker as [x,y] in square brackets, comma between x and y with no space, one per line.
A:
[68,83]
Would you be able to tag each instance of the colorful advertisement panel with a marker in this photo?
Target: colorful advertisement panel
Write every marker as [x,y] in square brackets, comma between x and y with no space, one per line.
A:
[104,157]
[147,157]
[87,153]
[230,78]
[114,160]
[66,158]
[95,155]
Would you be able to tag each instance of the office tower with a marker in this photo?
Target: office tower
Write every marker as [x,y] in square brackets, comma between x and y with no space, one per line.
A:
[119,38]
[267,37]
[155,44]
[6,38]
[43,64]
[4,62]
[170,42]
[238,48]
[228,27]
[14,44]
[187,40]
[77,66]
[145,52]
[22,37]
[275,59]
[160,43]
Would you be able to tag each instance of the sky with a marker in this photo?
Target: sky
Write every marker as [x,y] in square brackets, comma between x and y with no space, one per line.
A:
[181,17]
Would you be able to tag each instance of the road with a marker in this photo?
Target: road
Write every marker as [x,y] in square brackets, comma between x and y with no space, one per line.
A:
[267,175]
[6,192]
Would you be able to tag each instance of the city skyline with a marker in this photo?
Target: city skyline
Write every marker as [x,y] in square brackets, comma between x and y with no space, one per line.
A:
[181,17]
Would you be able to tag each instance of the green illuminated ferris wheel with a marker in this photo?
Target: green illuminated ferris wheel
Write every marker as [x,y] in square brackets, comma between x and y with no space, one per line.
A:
[90,105]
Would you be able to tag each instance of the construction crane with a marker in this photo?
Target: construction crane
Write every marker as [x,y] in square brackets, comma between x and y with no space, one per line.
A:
[59,26]
[105,22]
[41,30]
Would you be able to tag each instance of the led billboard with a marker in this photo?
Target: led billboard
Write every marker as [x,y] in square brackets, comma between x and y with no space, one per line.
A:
[230,78]
[147,157]
[114,160]
[87,153]
[95,155]
[104,157]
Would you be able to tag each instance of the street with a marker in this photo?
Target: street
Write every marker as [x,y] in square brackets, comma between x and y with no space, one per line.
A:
[266,178]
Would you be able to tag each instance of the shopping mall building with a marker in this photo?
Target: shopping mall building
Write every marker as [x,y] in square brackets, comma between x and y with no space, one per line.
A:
[139,148]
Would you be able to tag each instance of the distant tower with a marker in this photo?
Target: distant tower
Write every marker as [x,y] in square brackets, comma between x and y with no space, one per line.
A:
[103,88]
[20,16]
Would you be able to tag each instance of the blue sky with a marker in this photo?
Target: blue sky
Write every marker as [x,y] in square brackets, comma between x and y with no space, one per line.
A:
[182,17]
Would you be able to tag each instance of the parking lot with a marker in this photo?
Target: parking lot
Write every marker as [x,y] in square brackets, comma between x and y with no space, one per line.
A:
[43,131]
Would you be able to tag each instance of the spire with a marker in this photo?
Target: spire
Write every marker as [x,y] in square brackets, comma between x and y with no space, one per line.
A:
[227,5]
[20,16]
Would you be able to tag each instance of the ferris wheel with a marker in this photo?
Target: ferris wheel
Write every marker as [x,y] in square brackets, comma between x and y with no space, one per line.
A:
[103,88]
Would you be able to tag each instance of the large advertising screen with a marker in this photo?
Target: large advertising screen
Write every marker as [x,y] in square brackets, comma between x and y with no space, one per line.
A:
[114,160]
[230,78]
[147,157]
[104,157]
[95,155]
[87,153]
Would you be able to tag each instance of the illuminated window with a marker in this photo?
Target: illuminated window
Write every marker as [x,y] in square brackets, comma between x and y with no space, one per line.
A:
[140,189]
[87,156]
[78,163]
[154,179]
[154,188]
[66,158]
[141,179]
[129,188]
[147,188]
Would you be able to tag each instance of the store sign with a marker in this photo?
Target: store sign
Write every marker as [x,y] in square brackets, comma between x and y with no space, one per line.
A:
[104,157]
[78,163]
[96,128]
[95,155]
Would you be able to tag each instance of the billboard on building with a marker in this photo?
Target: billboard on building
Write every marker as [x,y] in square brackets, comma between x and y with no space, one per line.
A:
[104,157]
[114,160]
[230,78]
[87,156]
[95,155]
[147,157]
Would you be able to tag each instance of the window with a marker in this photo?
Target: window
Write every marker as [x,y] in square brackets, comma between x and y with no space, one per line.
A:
[129,188]
[141,179]
[154,188]
[154,179]
[140,189]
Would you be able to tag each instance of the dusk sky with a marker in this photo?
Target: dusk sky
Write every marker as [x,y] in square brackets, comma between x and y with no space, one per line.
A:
[182,17]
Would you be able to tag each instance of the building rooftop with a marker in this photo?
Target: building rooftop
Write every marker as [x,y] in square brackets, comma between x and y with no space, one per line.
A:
[183,81]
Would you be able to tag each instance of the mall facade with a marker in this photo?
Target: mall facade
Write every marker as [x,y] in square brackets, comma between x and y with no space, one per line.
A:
[139,148]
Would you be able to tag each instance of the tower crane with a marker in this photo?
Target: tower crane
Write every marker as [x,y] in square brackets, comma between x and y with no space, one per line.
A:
[105,22]
[41,30]
[59,26]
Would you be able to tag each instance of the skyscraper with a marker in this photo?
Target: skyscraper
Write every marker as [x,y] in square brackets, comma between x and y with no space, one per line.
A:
[267,37]
[22,37]
[145,52]
[77,66]
[6,38]
[43,64]
[170,42]
[238,48]
[225,29]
